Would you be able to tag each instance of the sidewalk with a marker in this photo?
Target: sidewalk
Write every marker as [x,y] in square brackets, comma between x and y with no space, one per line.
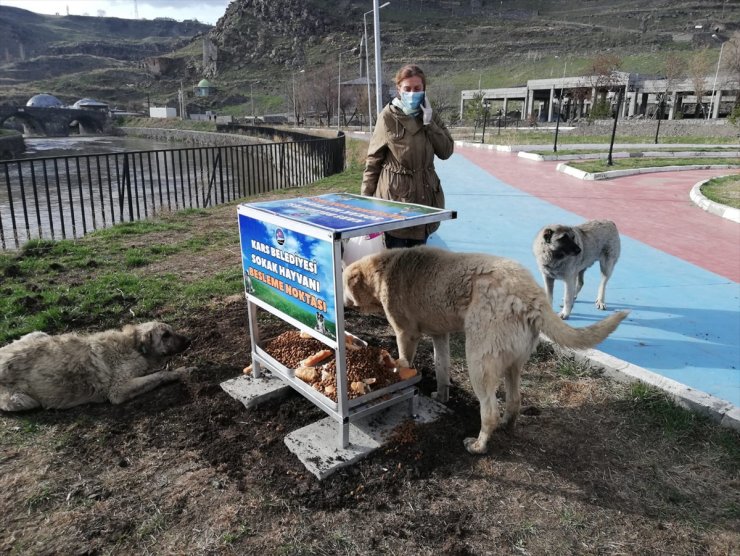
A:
[678,272]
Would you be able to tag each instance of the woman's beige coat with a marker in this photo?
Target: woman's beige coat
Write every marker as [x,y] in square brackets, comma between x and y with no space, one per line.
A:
[400,163]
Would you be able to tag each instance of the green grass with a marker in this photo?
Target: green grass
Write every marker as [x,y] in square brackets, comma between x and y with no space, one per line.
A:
[657,411]
[570,367]
[596,166]
[103,279]
[724,190]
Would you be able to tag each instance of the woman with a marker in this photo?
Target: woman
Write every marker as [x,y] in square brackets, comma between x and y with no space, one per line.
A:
[400,159]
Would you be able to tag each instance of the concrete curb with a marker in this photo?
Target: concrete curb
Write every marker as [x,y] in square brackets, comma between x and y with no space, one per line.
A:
[487,146]
[720,411]
[644,154]
[580,174]
[710,206]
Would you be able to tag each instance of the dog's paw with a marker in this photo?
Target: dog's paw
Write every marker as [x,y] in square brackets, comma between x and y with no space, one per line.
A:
[508,422]
[441,397]
[600,305]
[400,363]
[474,447]
[183,371]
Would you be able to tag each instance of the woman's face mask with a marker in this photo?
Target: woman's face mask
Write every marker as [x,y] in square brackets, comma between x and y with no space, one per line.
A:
[412,100]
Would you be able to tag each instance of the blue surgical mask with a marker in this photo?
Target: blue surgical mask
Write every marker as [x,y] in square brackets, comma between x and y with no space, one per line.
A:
[411,100]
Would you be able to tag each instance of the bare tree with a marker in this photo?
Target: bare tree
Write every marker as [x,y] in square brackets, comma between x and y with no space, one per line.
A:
[673,67]
[731,64]
[604,71]
[604,76]
[445,99]
[699,68]
[320,93]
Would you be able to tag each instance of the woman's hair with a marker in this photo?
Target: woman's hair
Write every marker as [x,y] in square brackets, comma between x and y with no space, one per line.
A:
[410,70]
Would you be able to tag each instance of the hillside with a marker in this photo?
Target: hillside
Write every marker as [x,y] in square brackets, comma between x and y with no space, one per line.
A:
[84,51]
[258,46]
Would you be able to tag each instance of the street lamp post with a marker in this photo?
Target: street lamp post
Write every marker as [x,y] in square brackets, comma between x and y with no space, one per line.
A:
[557,122]
[367,63]
[378,62]
[659,114]
[609,161]
[486,106]
[716,73]
[339,89]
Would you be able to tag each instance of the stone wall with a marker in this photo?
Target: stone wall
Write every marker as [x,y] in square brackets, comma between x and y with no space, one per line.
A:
[11,145]
[668,128]
[188,137]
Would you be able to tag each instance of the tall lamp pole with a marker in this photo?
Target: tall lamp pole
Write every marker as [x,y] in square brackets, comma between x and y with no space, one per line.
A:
[609,161]
[378,81]
[367,61]
[716,73]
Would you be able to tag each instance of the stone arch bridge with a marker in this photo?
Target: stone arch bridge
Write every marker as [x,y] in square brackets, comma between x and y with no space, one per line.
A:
[56,122]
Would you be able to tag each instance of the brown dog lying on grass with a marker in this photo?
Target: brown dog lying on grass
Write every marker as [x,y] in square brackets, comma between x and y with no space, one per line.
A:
[495,301]
[63,371]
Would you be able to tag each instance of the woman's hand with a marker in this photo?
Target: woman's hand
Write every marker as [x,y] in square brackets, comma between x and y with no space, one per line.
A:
[426,110]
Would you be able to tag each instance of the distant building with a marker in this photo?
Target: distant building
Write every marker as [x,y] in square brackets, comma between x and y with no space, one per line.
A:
[91,104]
[162,112]
[575,97]
[44,100]
[204,88]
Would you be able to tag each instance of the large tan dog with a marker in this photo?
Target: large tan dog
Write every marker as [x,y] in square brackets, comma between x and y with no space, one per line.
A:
[495,301]
[63,371]
[566,252]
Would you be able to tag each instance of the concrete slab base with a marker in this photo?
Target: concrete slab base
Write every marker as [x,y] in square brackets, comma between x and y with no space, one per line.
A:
[255,391]
[317,445]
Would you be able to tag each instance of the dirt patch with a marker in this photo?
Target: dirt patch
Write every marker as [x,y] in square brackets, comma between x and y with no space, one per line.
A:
[186,469]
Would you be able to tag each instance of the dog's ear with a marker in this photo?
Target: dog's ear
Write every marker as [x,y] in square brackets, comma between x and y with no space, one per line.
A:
[547,234]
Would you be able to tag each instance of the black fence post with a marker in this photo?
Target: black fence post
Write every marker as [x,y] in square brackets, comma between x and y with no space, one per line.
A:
[609,160]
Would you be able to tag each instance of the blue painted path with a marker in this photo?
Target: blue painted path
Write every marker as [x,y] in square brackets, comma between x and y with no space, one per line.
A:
[684,322]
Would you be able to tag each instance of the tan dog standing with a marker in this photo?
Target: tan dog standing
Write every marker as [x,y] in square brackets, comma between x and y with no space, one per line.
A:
[495,301]
[63,371]
[566,252]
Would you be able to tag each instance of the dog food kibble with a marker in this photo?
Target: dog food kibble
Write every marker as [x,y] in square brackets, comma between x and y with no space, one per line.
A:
[368,368]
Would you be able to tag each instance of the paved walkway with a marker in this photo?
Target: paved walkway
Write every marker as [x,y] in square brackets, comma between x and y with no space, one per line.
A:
[678,274]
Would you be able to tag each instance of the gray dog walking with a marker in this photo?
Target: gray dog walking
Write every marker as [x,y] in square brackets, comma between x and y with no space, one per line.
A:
[566,252]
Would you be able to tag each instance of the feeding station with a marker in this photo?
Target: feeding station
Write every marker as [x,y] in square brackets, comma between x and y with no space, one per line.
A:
[291,253]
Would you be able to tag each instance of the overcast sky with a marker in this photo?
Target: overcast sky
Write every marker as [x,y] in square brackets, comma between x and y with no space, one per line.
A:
[205,11]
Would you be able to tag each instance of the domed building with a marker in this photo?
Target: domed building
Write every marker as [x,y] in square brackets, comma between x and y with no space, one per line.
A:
[44,100]
[90,104]
[204,88]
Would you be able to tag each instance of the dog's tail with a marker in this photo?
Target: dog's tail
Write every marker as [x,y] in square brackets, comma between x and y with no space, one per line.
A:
[579,338]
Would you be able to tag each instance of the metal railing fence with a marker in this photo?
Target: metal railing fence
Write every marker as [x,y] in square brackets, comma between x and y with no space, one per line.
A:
[67,197]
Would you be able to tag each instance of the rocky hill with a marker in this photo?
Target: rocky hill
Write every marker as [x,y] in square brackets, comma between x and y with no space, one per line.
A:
[266,42]
[35,49]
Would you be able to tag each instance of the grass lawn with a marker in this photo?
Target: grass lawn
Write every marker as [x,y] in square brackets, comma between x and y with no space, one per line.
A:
[724,190]
[594,166]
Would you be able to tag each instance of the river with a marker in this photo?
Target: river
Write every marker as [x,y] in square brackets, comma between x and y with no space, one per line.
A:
[77,145]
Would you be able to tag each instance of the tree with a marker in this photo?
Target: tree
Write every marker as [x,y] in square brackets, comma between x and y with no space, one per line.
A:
[731,64]
[699,68]
[474,109]
[604,71]
[320,93]
[604,77]
[673,67]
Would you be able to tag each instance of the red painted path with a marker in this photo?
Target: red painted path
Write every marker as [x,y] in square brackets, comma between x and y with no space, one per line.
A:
[652,208]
